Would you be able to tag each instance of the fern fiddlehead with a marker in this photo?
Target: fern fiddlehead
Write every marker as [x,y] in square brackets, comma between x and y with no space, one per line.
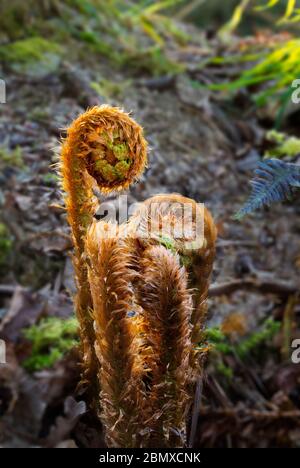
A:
[142,286]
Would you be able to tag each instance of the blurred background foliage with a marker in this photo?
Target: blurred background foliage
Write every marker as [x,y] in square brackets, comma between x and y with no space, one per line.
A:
[161,38]
[140,34]
[211,82]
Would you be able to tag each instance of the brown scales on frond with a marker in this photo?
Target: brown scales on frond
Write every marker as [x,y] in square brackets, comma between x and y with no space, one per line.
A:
[110,277]
[162,216]
[142,286]
[167,307]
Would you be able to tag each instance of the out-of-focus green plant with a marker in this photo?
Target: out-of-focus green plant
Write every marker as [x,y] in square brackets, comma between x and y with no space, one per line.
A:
[245,346]
[110,89]
[278,68]
[5,244]
[235,20]
[50,179]
[126,32]
[51,339]
[221,345]
[291,14]
[11,157]
[31,56]
[283,145]
[133,33]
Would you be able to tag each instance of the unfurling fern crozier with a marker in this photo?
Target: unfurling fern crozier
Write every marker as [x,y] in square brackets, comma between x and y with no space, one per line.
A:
[141,300]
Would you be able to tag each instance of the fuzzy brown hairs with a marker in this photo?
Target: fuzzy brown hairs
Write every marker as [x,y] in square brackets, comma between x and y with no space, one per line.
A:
[141,299]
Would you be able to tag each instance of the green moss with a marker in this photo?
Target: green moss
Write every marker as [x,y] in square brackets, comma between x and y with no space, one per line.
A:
[6,244]
[110,89]
[98,45]
[18,17]
[11,157]
[275,137]
[252,343]
[226,371]
[42,361]
[34,56]
[51,339]
[50,178]
[214,335]
[222,346]
[12,17]
[218,340]
[154,61]
[127,36]
[28,50]
[245,346]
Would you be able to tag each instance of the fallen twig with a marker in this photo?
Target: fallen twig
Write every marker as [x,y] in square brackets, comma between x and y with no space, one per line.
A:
[248,413]
[160,83]
[260,285]
[8,289]
[196,410]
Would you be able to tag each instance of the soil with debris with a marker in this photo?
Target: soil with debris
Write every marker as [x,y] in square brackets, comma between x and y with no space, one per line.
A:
[203,147]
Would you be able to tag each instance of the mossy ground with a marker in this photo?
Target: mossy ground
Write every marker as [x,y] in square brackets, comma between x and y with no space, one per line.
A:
[50,339]
[12,158]
[33,56]
[108,29]
[253,344]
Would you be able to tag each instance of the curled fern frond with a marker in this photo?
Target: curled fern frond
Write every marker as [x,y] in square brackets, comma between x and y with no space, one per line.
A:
[273,182]
[103,147]
[161,218]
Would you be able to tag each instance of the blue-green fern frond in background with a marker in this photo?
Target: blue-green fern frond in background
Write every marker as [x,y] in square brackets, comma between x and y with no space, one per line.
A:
[273,182]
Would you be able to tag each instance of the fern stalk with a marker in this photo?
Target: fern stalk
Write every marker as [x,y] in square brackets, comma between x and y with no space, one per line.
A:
[110,278]
[167,305]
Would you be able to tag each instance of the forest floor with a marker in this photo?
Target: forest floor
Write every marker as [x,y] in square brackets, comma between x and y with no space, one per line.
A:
[202,146]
